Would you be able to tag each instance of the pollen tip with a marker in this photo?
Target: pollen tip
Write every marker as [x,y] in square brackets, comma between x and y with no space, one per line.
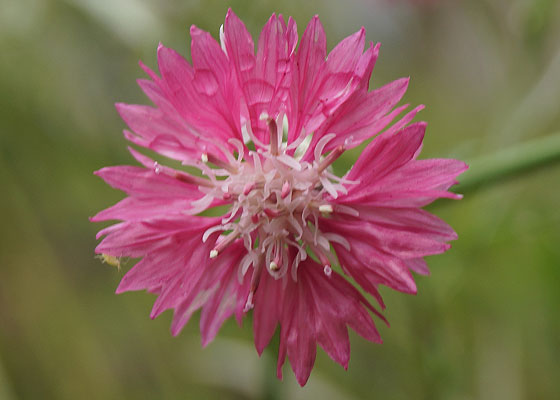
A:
[327,270]
[213,253]
[204,158]
[249,304]
[326,209]
[274,267]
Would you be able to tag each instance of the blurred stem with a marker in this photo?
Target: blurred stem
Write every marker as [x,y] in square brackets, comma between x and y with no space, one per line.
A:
[509,163]
[272,386]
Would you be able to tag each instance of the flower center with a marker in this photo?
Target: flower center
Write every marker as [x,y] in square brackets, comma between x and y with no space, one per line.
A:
[275,200]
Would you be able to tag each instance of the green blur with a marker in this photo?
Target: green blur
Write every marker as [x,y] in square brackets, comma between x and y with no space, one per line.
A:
[484,325]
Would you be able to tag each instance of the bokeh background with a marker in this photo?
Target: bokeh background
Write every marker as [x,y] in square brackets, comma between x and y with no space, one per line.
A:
[484,325]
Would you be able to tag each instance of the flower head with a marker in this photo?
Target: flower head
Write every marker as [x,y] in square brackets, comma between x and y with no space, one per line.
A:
[263,130]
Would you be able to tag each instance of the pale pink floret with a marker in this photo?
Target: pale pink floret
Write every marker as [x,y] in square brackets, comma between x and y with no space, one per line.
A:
[293,229]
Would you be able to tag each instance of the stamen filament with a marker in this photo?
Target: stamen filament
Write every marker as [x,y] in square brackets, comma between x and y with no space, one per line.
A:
[193,180]
[320,255]
[330,158]
[255,280]
[218,163]
[229,239]
[273,128]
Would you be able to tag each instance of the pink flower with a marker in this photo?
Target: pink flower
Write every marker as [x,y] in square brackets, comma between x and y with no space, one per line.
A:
[264,130]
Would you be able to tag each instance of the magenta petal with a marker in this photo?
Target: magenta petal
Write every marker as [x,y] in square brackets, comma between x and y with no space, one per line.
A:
[239,46]
[418,265]
[141,182]
[226,293]
[150,122]
[134,209]
[388,152]
[266,84]
[409,219]
[346,55]
[214,83]
[301,347]
[317,311]
[310,58]
[387,270]
[365,115]
[175,71]
[157,95]
[266,314]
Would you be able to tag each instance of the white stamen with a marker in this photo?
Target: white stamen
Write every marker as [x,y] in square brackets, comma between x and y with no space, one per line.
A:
[274,267]
[320,147]
[333,237]
[347,210]
[213,253]
[325,209]
[285,190]
[327,270]
[290,162]
[204,158]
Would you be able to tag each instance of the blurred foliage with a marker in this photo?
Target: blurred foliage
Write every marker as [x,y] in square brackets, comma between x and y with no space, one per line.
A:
[485,325]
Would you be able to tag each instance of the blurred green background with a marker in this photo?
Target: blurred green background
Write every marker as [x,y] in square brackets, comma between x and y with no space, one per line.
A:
[485,324]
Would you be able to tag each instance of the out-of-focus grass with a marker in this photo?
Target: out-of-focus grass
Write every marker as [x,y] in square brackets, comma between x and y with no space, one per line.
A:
[484,324]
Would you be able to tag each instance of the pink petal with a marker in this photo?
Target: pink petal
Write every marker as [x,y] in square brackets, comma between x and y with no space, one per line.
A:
[214,83]
[136,239]
[388,271]
[142,182]
[151,124]
[346,55]
[301,345]
[228,296]
[135,209]
[266,79]
[438,174]
[239,44]
[310,58]
[418,265]
[364,115]
[390,239]
[408,219]
[387,152]
[317,310]
[339,78]
[266,313]
[157,95]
